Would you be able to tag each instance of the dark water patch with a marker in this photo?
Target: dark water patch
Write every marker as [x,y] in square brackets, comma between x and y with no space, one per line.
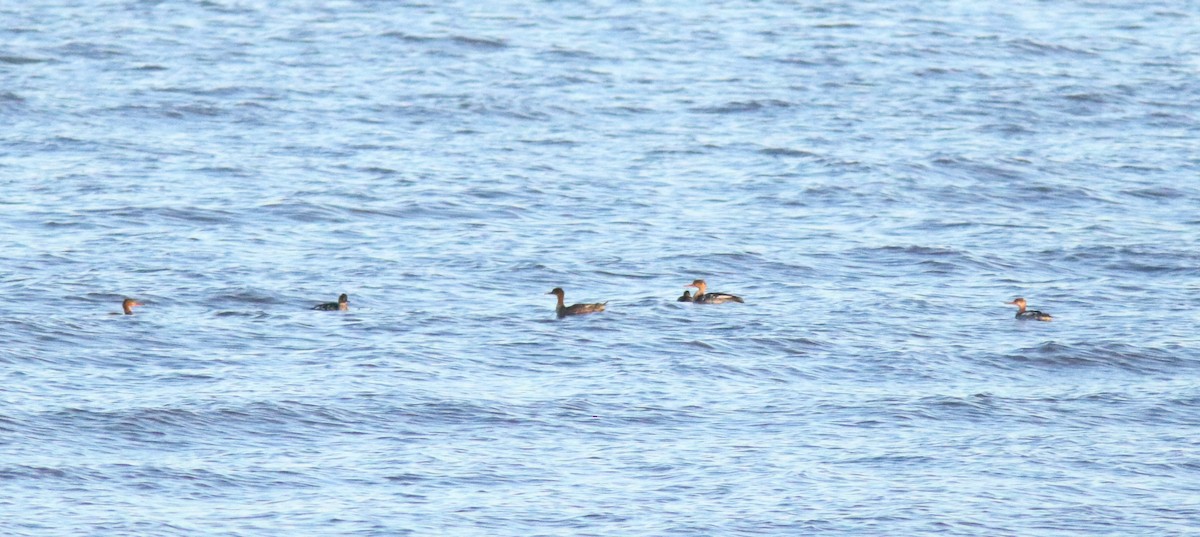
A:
[836,25]
[803,62]
[1042,48]
[434,210]
[791,345]
[8,426]
[1110,355]
[376,170]
[230,171]
[976,170]
[786,152]
[1158,193]
[744,107]
[552,142]
[1006,129]
[244,314]
[937,72]
[1086,101]
[938,267]
[22,30]
[72,224]
[927,259]
[148,215]
[226,7]
[247,296]
[1092,98]
[177,425]
[91,51]
[649,415]
[626,109]
[1170,120]
[66,143]
[43,473]
[1130,259]
[673,152]
[22,60]
[203,110]
[455,107]
[468,42]
[305,211]
[221,92]
[158,477]
[570,54]
[479,42]
[1140,168]
[699,344]
[168,111]
[410,479]
[457,413]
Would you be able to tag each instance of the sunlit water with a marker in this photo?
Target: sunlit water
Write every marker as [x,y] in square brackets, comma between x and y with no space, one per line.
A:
[875,178]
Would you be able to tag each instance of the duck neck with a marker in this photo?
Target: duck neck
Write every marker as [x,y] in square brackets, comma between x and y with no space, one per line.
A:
[128,309]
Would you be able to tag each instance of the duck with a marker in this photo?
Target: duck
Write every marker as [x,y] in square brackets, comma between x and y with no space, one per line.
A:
[343,304]
[577,309]
[703,297]
[128,304]
[1031,315]
[687,297]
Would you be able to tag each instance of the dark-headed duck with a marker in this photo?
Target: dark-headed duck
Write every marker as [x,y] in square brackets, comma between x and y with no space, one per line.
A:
[577,309]
[342,304]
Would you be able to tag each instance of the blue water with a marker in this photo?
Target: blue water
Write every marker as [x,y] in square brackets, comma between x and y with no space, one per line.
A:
[876,179]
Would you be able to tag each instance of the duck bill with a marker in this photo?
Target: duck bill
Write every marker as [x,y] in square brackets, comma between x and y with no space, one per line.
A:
[692,285]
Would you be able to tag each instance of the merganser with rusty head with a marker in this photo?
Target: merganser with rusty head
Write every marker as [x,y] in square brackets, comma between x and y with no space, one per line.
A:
[343,304]
[128,304]
[577,309]
[704,297]
[687,297]
[1030,315]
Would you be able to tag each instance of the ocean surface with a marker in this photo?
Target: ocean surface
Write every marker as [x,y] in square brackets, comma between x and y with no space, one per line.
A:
[876,179]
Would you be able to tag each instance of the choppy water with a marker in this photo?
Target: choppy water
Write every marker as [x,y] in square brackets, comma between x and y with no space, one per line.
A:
[876,178]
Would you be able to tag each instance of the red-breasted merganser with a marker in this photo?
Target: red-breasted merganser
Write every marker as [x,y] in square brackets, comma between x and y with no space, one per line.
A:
[342,304]
[702,297]
[128,305]
[1031,315]
[577,309]
[687,297]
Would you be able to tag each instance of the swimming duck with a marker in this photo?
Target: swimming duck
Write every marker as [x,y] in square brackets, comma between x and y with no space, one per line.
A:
[687,297]
[1031,315]
[701,297]
[342,304]
[128,304]
[577,309]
